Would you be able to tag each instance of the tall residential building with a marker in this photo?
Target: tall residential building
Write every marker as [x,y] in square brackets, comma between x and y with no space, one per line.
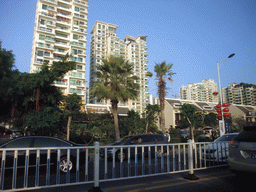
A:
[243,94]
[200,91]
[61,28]
[104,43]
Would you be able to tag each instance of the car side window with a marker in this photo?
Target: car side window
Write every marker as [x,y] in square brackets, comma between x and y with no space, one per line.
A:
[45,142]
[19,143]
[148,138]
[159,137]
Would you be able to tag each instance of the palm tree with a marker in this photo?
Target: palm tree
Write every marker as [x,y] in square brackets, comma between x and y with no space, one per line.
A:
[163,71]
[116,83]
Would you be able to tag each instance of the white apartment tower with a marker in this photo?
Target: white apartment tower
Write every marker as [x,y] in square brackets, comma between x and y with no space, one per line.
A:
[104,43]
[61,28]
[200,91]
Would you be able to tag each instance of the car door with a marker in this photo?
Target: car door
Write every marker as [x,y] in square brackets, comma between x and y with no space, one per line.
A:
[17,144]
[44,142]
[148,140]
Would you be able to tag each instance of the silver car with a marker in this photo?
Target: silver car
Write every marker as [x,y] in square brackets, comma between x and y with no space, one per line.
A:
[242,151]
[218,150]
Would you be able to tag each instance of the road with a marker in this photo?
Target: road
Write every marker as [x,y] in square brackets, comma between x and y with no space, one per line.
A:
[210,180]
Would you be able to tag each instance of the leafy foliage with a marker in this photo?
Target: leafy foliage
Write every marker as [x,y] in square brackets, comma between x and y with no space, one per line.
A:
[46,122]
[163,72]
[116,83]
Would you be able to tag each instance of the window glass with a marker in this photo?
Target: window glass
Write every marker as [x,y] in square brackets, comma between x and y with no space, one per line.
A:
[80,67]
[148,138]
[41,37]
[40,53]
[75,36]
[45,142]
[159,137]
[19,143]
[47,54]
[73,82]
[77,9]
[44,7]
[246,136]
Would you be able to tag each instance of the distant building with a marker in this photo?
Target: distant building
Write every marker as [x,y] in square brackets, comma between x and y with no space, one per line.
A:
[104,43]
[60,29]
[241,94]
[199,91]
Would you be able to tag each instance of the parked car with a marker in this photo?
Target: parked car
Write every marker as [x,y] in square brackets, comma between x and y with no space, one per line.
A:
[218,150]
[184,133]
[135,141]
[33,143]
[242,151]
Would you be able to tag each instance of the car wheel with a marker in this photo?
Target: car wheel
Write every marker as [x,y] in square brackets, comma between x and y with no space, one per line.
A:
[64,164]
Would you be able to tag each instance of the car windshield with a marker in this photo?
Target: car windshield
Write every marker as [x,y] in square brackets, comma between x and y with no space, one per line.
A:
[122,140]
[225,138]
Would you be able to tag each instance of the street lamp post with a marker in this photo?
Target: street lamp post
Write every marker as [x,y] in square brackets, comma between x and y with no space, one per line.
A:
[221,122]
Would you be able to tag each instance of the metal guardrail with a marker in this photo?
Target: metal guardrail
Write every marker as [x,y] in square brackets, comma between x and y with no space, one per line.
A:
[41,167]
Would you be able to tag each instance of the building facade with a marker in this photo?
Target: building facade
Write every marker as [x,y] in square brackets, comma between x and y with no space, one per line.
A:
[60,29]
[104,43]
[199,91]
[240,94]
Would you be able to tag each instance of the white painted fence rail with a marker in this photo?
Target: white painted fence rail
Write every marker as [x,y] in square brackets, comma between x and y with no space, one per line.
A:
[30,168]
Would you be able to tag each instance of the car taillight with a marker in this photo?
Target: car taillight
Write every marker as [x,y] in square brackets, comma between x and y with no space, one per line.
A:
[234,144]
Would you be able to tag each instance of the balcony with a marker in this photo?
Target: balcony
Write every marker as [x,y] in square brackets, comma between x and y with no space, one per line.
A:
[46,30]
[51,2]
[48,15]
[64,7]
[63,15]
[61,36]
[82,31]
[62,44]
[77,44]
[62,29]
[80,3]
[66,2]
[60,52]
[63,20]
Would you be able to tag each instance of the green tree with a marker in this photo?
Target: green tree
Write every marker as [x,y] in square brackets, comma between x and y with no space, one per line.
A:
[116,83]
[151,114]
[163,73]
[47,121]
[211,119]
[72,104]
[189,112]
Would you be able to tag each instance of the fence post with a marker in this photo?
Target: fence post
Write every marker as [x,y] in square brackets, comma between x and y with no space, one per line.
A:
[191,175]
[96,187]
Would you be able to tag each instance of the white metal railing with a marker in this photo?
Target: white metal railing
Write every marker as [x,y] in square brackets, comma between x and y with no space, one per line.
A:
[37,168]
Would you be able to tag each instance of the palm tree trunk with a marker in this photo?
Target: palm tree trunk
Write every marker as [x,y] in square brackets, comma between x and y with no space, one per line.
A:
[114,107]
[68,126]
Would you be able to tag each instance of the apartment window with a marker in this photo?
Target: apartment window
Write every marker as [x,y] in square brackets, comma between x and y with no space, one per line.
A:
[73,82]
[79,67]
[77,9]
[74,51]
[76,22]
[99,26]
[75,36]
[103,26]
[47,54]
[79,59]
[40,53]
[41,37]
[44,7]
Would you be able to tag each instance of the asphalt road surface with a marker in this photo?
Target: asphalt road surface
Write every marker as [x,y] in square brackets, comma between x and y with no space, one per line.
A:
[210,180]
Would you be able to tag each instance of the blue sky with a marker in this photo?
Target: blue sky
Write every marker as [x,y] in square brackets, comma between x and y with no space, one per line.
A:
[192,34]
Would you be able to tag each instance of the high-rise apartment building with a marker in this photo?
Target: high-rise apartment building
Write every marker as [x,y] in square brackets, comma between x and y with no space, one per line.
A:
[243,94]
[104,43]
[61,28]
[200,91]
